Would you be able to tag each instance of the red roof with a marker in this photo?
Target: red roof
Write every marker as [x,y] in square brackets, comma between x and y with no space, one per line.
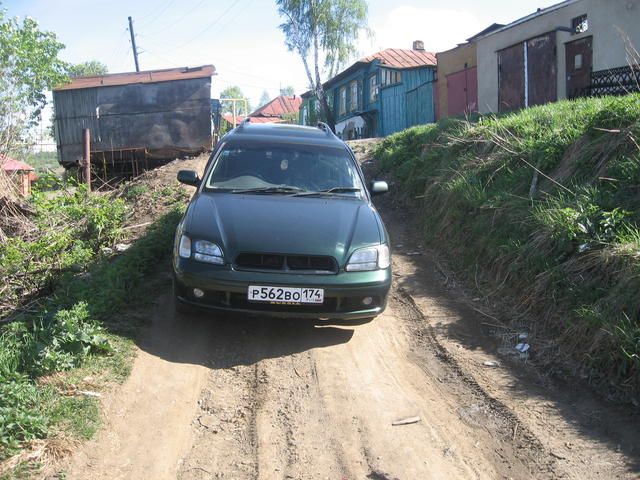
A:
[401,58]
[229,118]
[278,107]
[148,76]
[12,166]
[253,119]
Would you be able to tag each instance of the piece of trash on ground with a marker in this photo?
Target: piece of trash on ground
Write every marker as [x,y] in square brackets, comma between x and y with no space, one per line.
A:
[413,254]
[406,421]
[86,393]
[523,347]
[490,363]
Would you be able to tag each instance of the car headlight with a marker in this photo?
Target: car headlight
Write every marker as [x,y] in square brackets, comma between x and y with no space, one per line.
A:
[207,252]
[203,251]
[370,258]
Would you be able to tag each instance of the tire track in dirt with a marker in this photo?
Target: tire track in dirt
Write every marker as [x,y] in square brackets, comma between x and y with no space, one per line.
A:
[143,433]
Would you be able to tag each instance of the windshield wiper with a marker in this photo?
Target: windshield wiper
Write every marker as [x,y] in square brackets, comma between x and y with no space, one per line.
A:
[328,191]
[276,189]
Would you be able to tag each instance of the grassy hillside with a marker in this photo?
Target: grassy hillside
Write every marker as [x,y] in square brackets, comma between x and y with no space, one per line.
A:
[63,304]
[543,205]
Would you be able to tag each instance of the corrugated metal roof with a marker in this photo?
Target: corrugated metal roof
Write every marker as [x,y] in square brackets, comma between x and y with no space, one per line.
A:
[278,107]
[402,58]
[148,76]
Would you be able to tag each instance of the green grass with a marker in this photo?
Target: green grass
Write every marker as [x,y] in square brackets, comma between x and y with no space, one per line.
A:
[79,333]
[567,237]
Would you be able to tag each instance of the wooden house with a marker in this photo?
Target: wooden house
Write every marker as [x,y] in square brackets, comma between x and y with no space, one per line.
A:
[380,94]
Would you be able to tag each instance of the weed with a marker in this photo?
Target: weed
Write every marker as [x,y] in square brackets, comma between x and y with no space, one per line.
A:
[549,196]
[74,328]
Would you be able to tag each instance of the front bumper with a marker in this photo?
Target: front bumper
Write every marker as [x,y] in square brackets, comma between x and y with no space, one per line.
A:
[226,290]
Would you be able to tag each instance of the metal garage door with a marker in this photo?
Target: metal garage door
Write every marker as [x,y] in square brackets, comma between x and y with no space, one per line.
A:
[511,78]
[528,73]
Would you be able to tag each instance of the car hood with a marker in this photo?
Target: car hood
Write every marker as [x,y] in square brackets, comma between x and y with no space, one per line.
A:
[283,224]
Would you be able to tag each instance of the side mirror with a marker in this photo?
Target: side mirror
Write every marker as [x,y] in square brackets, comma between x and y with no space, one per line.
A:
[189,177]
[376,188]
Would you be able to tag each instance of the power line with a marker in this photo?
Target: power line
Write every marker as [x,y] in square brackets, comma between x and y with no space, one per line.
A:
[208,27]
[222,27]
[118,44]
[173,23]
[155,13]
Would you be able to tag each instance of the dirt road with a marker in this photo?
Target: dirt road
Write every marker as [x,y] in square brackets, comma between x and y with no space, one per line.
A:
[250,398]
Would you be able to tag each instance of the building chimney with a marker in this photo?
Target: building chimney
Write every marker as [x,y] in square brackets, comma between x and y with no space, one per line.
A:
[418,45]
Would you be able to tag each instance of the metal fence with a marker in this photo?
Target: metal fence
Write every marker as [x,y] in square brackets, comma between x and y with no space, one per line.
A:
[614,81]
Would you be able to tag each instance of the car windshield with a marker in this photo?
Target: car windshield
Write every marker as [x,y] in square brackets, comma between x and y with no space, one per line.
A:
[285,169]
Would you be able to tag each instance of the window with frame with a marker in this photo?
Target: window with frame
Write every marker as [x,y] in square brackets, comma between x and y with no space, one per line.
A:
[353,104]
[391,77]
[343,100]
[373,89]
[580,24]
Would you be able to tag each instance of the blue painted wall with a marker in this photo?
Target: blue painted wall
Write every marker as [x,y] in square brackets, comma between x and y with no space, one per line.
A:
[399,106]
[408,103]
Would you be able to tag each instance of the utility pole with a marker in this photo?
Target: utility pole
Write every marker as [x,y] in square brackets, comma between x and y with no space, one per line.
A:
[133,44]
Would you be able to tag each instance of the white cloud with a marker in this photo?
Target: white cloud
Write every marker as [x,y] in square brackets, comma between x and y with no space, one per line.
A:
[440,29]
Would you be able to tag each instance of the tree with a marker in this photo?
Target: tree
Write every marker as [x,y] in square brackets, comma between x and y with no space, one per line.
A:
[264,99]
[29,66]
[88,69]
[234,92]
[322,33]
[288,91]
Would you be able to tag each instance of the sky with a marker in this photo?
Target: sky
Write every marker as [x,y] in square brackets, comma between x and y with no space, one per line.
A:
[241,37]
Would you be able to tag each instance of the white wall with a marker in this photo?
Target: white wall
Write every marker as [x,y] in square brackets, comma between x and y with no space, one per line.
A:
[605,17]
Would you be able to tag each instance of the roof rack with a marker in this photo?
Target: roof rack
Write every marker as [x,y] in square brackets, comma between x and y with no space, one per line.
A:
[243,123]
[324,127]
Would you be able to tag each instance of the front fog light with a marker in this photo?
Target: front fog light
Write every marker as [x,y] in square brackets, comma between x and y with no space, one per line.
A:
[367,301]
[198,293]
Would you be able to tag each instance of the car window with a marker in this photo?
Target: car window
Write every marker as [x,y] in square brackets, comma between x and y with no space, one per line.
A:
[303,167]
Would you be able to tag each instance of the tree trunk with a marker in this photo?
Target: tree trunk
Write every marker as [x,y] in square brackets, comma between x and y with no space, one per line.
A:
[324,104]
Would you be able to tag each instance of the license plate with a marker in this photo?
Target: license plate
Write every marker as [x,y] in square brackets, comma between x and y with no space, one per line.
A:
[285,295]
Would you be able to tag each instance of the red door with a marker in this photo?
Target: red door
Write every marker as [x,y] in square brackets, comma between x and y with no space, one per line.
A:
[462,92]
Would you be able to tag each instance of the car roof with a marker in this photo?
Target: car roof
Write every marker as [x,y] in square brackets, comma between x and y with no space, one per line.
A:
[282,132]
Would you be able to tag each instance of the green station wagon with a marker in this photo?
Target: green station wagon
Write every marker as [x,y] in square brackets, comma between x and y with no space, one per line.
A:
[282,224]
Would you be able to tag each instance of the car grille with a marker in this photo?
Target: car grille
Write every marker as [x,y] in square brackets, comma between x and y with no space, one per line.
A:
[290,263]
